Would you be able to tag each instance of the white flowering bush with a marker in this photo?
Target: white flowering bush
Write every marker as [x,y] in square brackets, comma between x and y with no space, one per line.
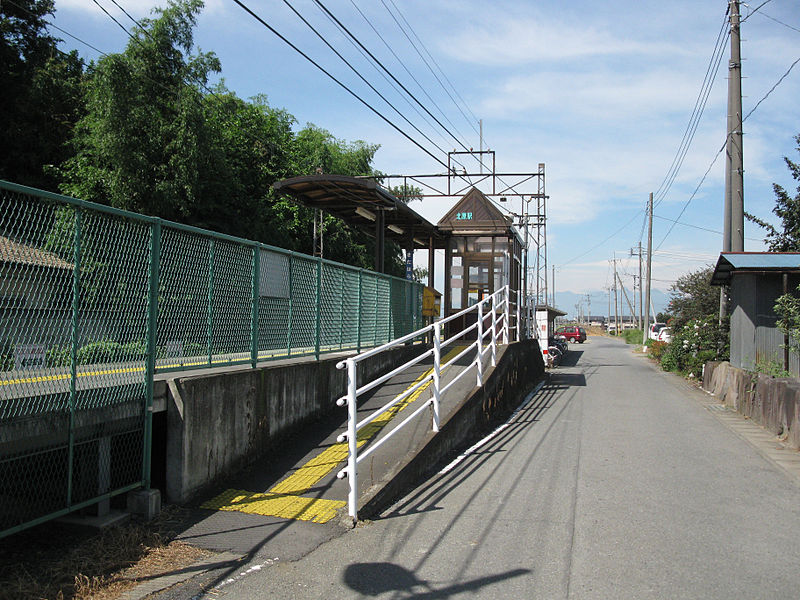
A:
[696,343]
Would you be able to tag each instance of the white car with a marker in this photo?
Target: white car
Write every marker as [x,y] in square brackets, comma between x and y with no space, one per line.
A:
[654,329]
[665,335]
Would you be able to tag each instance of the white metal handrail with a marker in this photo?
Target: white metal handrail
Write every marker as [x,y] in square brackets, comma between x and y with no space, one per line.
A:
[496,309]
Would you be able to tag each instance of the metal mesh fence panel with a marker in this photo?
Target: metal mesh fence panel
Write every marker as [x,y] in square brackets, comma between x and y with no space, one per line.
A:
[350,308]
[303,326]
[94,301]
[183,308]
[231,302]
[383,310]
[274,304]
[73,327]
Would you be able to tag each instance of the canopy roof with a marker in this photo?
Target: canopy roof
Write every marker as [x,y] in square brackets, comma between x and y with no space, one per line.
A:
[781,262]
[356,201]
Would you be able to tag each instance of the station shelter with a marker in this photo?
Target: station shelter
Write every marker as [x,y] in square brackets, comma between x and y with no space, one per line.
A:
[483,249]
[483,253]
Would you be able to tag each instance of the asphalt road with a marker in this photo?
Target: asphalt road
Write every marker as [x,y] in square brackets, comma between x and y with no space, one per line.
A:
[614,481]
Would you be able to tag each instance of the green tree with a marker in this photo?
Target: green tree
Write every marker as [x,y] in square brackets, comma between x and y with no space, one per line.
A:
[693,297]
[42,95]
[406,193]
[786,238]
[142,144]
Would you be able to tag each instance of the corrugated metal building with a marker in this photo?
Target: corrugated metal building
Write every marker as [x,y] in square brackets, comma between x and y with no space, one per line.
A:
[756,279]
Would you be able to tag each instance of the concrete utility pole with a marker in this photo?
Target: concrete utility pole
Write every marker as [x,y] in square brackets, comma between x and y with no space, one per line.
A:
[649,268]
[616,305]
[638,252]
[733,226]
[554,286]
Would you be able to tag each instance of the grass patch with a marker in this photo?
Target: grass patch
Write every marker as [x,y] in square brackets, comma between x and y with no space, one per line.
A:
[60,562]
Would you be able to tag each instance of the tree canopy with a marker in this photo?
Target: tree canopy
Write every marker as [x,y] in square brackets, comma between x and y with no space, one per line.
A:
[42,95]
[693,297]
[141,130]
[786,237]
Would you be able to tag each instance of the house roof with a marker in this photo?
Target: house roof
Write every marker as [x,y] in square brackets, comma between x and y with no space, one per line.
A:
[355,201]
[761,262]
[22,254]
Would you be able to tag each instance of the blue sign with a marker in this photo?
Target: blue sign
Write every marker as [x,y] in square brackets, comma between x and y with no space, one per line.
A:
[409,264]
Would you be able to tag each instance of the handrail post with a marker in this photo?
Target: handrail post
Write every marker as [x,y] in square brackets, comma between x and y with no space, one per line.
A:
[494,330]
[478,361]
[507,320]
[519,314]
[352,439]
[437,372]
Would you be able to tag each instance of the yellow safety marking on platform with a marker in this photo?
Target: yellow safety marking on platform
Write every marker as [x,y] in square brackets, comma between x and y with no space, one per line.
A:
[160,368]
[316,510]
[284,499]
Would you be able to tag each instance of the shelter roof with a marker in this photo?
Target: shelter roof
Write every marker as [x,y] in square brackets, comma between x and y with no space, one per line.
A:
[355,201]
[552,311]
[22,254]
[729,262]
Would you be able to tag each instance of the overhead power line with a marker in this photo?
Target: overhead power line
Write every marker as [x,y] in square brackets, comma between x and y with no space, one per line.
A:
[697,114]
[255,16]
[764,97]
[469,121]
[372,56]
[359,75]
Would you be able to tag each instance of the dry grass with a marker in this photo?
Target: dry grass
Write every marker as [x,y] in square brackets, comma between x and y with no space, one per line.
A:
[58,562]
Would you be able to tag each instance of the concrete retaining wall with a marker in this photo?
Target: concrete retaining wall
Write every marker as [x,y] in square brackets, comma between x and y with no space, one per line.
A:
[772,402]
[218,422]
[519,367]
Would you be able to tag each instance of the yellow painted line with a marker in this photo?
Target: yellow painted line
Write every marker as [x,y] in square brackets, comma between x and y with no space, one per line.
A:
[218,361]
[284,499]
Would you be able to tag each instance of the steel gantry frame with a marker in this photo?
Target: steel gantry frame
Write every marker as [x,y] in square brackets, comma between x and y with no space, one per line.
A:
[503,185]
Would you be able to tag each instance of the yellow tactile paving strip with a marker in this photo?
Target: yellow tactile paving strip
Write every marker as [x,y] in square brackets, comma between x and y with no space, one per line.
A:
[316,510]
[284,500]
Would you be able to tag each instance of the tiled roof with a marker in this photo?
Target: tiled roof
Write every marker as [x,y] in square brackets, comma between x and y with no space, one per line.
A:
[17,253]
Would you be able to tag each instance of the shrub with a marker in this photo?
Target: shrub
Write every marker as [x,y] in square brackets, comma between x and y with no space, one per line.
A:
[632,336]
[656,349]
[696,343]
[103,351]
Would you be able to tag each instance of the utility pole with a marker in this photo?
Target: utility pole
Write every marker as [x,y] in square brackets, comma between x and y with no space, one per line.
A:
[616,305]
[638,252]
[554,286]
[649,268]
[589,313]
[622,286]
[733,230]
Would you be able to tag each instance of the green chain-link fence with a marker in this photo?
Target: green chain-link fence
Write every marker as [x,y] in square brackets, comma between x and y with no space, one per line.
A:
[94,301]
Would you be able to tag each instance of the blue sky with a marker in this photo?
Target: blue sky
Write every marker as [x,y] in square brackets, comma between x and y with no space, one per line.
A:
[600,92]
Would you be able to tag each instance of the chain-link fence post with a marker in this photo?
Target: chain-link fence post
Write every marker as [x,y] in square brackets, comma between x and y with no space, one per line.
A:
[254,314]
[73,379]
[152,328]
[358,314]
[291,307]
[318,308]
[210,328]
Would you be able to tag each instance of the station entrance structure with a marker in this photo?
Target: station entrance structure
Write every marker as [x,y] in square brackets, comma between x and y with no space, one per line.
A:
[483,248]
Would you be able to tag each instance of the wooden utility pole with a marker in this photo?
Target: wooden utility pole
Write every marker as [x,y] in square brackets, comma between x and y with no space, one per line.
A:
[649,268]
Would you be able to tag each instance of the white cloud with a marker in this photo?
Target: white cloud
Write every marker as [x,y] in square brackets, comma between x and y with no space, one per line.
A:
[517,39]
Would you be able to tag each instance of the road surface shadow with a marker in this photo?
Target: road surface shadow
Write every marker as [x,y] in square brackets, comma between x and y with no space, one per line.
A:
[374,579]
